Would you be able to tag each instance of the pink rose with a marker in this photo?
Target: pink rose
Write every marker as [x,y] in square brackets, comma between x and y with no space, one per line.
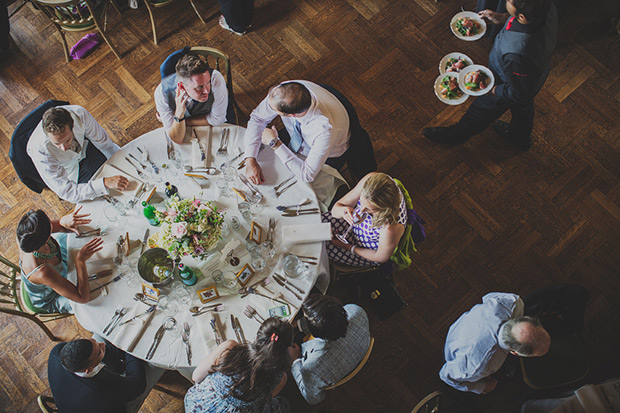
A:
[172,212]
[178,229]
[196,202]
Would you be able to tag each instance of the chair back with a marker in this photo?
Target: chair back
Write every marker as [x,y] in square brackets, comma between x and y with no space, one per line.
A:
[24,167]
[73,15]
[356,370]
[45,404]
[360,155]
[413,230]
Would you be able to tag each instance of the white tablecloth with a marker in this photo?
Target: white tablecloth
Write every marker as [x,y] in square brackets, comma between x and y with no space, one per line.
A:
[96,314]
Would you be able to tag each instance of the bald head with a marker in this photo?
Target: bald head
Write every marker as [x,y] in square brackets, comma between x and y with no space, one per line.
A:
[526,337]
[290,98]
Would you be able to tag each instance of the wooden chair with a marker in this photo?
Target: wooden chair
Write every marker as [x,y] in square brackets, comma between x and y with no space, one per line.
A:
[18,303]
[46,404]
[151,5]
[356,370]
[77,16]
[429,402]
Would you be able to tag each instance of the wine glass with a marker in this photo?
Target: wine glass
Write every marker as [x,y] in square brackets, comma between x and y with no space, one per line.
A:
[224,188]
[176,161]
[113,215]
[230,173]
[167,305]
[358,218]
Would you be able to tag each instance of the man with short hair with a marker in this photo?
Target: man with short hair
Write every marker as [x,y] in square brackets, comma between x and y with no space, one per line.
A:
[67,147]
[88,376]
[520,60]
[339,340]
[316,130]
[195,95]
[479,342]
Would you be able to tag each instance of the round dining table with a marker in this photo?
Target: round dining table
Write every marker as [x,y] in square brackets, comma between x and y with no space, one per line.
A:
[118,296]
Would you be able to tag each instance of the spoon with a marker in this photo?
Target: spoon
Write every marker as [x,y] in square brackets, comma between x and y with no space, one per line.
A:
[301,203]
[197,309]
[144,299]
[209,170]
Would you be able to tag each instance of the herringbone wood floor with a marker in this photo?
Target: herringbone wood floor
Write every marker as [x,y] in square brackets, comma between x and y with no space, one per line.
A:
[498,220]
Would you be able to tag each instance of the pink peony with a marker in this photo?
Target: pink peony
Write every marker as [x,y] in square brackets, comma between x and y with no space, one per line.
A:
[196,202]
[178,229]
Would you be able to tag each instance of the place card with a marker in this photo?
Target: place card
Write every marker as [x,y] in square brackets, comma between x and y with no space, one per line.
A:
[208,294]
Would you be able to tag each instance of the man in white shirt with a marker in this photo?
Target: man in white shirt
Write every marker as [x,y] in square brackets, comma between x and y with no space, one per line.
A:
[67,147]
[316,123]
[194,95]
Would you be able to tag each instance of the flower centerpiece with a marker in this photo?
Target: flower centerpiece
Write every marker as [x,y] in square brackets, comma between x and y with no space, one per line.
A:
[189,227]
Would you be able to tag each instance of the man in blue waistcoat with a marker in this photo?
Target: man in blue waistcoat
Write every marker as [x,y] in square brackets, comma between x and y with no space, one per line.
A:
[195,95]
[519,60]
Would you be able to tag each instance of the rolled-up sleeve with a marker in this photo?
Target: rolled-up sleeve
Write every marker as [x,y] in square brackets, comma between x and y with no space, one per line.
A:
[166,115]
[217,115]
[259,119]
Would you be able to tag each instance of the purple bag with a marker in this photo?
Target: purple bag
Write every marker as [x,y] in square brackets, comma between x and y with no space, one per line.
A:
[84,46]
[418,233]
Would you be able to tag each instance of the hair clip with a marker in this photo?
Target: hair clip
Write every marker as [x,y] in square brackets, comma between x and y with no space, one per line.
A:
[274,337]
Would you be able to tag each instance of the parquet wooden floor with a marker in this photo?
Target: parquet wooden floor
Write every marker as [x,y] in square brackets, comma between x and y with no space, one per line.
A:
[497,220]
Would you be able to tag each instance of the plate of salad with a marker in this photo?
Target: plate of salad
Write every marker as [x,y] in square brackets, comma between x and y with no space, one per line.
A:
[454,62]
[476,80]
[447,89]
[468,26]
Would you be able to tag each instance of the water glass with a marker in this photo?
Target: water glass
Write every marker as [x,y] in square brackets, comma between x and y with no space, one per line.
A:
[217,276]
[229,281]
[292,266]
[176,161]
[165,304]
[224,188]
[235,223]
[244,209]
[230,173]
[255,205]
[258,263]
[113,215]
[252,247]
[268,250]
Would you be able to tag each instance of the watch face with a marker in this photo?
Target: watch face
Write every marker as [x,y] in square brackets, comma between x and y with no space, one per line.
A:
[273,143]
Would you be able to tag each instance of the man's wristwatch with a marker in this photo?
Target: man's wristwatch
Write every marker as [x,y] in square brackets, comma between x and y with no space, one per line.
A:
[179,119]
[273,143]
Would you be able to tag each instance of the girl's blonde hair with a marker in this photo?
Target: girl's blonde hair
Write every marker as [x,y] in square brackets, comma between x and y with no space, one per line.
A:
[383,193]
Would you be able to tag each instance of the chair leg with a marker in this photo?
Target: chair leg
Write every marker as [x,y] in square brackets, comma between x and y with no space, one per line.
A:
[65,46]
[33,318]
[116,7]
[196,10]
[110,44]
[148,7]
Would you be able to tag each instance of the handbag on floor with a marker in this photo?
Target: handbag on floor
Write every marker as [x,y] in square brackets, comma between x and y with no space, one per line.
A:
[383,295]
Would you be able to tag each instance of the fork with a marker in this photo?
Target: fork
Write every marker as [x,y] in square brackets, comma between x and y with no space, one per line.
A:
[281,191]
[223,149]
[120,316]
[116,314]
[276,188]
[289,289]
[249,314]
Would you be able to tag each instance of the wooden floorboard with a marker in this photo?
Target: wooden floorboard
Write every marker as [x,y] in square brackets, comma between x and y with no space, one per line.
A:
[497,219]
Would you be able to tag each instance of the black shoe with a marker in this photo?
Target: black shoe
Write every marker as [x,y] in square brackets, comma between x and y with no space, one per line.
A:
[444,135]
[503,129]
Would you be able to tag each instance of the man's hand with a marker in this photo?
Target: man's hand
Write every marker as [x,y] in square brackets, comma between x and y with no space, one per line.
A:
[73,220]
[294,352]
[254,171]
[116,182]
[180,99]
[493,17]
[489,386]
[269,134]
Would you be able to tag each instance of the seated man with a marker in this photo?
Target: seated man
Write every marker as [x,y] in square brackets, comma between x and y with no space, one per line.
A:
[316,127]
[67,147]
[340,339]
[85,376]
[193,96]
[480,340]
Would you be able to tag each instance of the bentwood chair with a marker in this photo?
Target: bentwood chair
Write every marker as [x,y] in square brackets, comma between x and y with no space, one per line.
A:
[357,369]
[24,167]
[46,404]
[151,5]
[77,16]
[18,303]
[219,61]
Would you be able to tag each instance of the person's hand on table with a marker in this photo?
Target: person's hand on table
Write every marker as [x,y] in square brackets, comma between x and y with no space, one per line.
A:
[116,182]
[74,219]
[493,17]
[254,171]
[294,352]
[90,248]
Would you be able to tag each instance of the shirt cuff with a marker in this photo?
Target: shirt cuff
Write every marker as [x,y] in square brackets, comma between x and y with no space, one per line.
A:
[99,187]
[284,153]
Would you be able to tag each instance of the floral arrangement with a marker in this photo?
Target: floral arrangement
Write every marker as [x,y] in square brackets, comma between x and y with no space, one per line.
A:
[189,227]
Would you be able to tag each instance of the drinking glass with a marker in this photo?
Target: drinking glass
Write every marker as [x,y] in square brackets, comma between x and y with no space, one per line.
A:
[167,305]
[224,188]
[268,250]
[235,223]
[230,173]
[113,215]
[258,263]
[358,218]
[244,209]
[229,281]
[252,247]
[292,266]
[176,161]
[217,276]
[255,204]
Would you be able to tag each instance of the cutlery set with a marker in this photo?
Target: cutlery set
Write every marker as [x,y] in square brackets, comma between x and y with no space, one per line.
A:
[275,189]
[188,348]
[250,312]
[116,318]
[93,232]
[297,212]
[100,274]
[255,192]
[223,149]
[234,321]
[134,318]
[216,331]
[168,324]
[288,285]
[280,191]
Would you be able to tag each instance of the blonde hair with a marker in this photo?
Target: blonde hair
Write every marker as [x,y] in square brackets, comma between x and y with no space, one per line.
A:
[383,193]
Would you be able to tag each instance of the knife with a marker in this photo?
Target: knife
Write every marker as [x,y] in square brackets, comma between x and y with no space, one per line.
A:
[115,279]
[234,326]
[216,333]
[100,274]
[240,331]
[145,240]
[294,214]
[287,287]
[136,159]
[134,343]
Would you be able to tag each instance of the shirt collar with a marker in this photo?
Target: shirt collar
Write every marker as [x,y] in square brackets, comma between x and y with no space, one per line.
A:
[93,373]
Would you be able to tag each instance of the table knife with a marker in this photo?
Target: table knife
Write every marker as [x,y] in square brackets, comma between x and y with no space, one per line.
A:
[235,328]
[145,240]
[243,340]
[135,341]
[139,163]
[295,214]
[99,274]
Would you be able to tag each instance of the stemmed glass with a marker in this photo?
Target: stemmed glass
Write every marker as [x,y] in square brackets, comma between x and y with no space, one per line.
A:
[113,214]
[176,161]
[358,218]
[224,188]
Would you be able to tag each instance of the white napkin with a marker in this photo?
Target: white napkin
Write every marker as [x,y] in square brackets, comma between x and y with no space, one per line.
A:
[203,328]
[124,338]
[305,233]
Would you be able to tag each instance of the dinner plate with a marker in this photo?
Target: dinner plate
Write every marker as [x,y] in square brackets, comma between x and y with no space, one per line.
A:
[438,89]
[471,15]
[473,68]
[456,55]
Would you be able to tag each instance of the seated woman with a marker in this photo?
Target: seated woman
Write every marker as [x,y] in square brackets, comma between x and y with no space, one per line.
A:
[43,260]
[244,377]
[379,203]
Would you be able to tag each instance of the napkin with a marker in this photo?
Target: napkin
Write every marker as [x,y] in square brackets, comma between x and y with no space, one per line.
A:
[204,330]
[305,233]
[124,338]
[107,251]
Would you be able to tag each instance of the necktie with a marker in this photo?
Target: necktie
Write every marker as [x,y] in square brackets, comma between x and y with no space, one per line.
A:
[296,138]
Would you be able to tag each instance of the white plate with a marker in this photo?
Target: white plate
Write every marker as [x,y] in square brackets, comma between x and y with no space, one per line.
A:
[456,55]
[471,15]
[438,89]
[473,68]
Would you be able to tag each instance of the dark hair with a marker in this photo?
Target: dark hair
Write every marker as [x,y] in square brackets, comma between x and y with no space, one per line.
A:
[531,9]
[259,365]
[326,317]
[190,65]
[526,348]
[291,98]
[55,120]
[33,230]
[74,355]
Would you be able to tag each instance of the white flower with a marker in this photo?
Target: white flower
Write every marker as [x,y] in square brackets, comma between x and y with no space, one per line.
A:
[178,229]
